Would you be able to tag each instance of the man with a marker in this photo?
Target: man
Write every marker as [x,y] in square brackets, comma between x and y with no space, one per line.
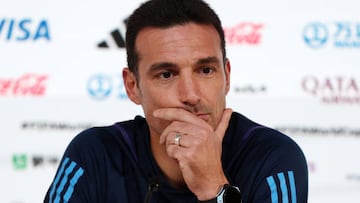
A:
[189,147]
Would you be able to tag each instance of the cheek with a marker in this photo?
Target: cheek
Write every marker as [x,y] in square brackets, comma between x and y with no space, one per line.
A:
[218,99]
[215,92]
[153,98]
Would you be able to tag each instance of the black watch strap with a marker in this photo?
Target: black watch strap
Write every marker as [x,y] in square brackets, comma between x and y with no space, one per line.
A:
[227,194]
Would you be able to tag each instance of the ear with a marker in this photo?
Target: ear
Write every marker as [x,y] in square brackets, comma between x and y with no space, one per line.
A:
[131,87]
[227,75]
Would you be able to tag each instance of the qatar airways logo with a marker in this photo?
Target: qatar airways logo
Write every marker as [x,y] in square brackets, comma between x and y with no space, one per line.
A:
[26,85]
[244,33]
[333,89]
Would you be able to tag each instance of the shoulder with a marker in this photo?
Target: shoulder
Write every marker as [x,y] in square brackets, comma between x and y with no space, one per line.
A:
[100,138]
[244,131]
[91,137]
[260,158]
[261,145]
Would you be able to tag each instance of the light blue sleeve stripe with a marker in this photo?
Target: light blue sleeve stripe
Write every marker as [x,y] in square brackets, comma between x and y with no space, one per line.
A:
[73,182]
[283,186]
[272,185]
[292,186]
[57,178]
[64,181]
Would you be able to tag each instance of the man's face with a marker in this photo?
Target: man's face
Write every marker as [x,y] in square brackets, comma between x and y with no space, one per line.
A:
[181,67]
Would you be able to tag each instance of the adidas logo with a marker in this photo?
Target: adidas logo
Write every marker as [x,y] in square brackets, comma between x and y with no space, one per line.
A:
[116,38]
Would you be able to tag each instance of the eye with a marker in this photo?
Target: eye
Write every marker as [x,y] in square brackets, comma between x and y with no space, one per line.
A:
[165,75]
[207,70]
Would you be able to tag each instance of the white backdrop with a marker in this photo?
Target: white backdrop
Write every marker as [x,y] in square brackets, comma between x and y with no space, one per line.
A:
[295,67]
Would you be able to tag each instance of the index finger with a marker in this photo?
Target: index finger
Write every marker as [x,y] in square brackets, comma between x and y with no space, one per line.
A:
[223,124]
[176,114]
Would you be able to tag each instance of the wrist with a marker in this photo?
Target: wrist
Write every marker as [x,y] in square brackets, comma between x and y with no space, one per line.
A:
[211,189]
[210,192]
[227,194]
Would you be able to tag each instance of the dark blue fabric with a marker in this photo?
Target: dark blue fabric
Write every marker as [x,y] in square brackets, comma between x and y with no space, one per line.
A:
[118,166]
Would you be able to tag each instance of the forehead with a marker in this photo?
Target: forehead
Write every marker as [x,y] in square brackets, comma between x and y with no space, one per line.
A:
[179,42]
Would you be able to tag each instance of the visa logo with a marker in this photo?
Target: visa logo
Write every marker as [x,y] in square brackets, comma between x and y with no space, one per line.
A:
[24,30]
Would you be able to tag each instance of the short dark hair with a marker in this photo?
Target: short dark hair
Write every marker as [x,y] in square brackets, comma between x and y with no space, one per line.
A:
[164,14]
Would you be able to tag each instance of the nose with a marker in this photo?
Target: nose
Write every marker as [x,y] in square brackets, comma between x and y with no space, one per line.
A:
[188,90]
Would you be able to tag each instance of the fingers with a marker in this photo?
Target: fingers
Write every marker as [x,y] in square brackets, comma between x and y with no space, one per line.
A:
[223,124]
[175,127]
[181,119]
[198,148]
[183,151]
[178,140]
[176,114]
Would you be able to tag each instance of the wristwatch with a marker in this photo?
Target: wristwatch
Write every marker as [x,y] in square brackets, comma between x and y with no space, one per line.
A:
[227,194]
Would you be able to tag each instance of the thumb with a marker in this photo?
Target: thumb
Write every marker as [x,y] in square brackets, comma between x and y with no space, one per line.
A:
[223,124]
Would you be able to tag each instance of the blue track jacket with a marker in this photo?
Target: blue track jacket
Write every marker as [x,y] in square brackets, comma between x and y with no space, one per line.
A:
[114,164]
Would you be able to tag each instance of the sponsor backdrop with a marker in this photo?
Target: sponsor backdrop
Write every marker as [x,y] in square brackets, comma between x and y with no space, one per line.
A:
[295,67]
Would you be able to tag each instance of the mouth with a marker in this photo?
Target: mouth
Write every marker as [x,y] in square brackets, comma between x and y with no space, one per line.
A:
[203,116]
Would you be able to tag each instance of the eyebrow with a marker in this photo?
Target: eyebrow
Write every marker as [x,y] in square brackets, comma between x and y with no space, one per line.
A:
[210,59]
[164,65]
[161,66]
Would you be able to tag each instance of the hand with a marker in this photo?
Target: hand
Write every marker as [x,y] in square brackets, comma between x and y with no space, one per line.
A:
[199,151]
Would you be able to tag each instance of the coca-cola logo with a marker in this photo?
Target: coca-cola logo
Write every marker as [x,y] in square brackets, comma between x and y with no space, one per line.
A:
[333,89]
[244,33]
[29,84]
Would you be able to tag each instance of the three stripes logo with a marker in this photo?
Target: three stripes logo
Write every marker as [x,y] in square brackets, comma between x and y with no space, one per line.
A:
[63,186]
[282,187]
[116,38]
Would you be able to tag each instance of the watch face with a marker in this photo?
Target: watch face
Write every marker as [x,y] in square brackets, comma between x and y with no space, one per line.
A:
[232,195]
